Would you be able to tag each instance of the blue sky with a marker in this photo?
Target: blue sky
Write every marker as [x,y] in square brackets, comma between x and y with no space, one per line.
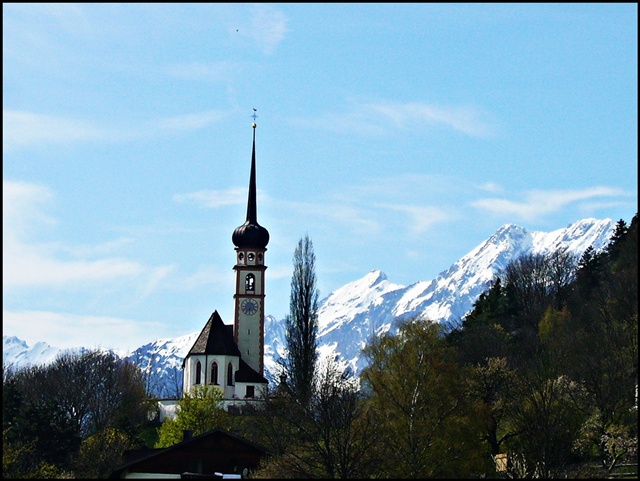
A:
[397,136]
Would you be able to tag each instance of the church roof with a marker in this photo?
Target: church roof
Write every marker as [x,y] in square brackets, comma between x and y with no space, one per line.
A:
[215,338]
[246,373]
[251,234]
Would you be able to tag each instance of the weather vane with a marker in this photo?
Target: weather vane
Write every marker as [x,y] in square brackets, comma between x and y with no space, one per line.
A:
[254,115]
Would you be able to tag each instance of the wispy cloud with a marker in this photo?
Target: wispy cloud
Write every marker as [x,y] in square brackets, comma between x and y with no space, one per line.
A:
[214,198]
[23,206]
[351,122]
[44,35]
[222,71]
[66,331]
[420,218]
[192,121]
[267,27]
[353,217]
[364,209]
[491,187]
[22,129]
[218,278]
[39,265]
[376,118]
[465,119]
[69,17]
[538,203]
[26,262]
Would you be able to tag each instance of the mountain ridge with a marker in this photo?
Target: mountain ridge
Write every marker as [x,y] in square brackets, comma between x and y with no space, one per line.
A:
[369,306]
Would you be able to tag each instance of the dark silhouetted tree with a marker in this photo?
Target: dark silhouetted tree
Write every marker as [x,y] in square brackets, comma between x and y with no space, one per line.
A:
[302,322]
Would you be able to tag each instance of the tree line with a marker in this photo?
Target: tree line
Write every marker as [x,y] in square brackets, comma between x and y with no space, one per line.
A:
[72,418]
[543,370]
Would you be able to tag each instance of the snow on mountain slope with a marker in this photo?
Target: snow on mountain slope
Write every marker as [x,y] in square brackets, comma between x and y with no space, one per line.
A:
[274,349]
[18,354]
[370,306]
[161,361]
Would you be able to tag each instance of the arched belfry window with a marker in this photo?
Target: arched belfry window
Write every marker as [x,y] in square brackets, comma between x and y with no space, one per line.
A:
[250,282]
[198,372]
[230,375]
[214,373]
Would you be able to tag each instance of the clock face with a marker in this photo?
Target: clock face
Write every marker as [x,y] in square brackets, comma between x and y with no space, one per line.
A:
[249,306]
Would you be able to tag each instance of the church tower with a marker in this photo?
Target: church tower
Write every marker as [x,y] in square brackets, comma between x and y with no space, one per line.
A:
[250,240]
[230,357]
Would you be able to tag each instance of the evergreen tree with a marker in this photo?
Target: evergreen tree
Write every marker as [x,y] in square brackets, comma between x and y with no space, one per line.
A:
[302,322]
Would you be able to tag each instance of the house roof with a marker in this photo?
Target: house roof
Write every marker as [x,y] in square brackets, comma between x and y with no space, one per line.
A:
[216,451]
[215,338]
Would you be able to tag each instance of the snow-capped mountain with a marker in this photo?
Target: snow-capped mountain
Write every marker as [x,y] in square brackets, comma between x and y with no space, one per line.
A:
[16,352]
[161,361]
[370,306]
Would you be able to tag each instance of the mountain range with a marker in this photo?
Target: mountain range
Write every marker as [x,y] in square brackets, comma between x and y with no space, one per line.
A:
[369,306]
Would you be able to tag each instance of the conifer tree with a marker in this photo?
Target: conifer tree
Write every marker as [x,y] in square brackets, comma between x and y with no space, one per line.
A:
[302,322]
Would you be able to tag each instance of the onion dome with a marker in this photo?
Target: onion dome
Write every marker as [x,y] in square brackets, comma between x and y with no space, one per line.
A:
[251,234]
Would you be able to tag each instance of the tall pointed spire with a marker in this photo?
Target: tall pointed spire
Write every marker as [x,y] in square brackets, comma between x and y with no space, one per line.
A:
[252,204]
[251,234]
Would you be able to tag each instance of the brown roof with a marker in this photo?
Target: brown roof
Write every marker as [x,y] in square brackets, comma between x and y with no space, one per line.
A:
[206,454]
[215,338]
[246,373]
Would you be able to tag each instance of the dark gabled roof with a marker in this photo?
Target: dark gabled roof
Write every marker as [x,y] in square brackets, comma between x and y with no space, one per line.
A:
[215,338]
[246,373]
[175,458]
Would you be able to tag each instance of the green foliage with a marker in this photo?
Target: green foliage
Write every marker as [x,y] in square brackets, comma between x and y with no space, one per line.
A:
[417,390]
[604,339]
[38,434]
[492,391]
[569,339]
[334,435]
[198,412]
[547,420]
[101,452]
[544,368]
[49,410]
[20,461]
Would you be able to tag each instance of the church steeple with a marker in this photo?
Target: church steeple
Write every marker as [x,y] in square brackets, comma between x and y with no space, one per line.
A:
[252,203]
[231,357]
[251,234]
[251,241]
